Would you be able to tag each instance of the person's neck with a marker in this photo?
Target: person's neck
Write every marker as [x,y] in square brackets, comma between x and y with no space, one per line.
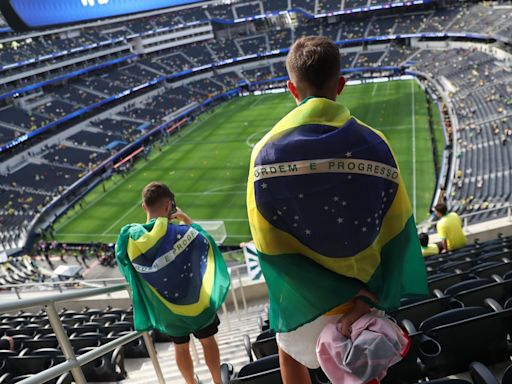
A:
[316,95]
[151,216]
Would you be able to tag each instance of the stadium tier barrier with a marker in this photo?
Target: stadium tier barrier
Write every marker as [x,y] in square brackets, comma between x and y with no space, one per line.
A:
[74,363]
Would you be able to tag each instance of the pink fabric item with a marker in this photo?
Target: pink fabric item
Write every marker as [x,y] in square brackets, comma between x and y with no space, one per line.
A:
[375,344]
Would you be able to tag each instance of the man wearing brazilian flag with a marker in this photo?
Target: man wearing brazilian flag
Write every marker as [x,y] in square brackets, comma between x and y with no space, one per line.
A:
[178,278]
[329,214]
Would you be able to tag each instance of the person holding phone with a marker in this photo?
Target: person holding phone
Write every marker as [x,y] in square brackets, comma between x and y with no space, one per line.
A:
[178,278]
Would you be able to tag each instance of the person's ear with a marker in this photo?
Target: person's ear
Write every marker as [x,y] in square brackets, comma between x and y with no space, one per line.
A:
[293,90]
[341,85]
[144,207]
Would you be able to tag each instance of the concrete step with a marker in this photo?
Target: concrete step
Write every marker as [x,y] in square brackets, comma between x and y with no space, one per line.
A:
[140,371]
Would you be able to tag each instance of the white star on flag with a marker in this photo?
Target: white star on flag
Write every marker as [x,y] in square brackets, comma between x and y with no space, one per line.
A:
[336,198]
[326,207]
[308,232]
[343,203]
[296,217]
[301,196]
[178,236]
[348,154]
[264,186]
[340,220]
[364,229]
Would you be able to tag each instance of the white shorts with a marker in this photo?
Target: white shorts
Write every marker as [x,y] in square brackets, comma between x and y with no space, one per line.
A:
[301,343]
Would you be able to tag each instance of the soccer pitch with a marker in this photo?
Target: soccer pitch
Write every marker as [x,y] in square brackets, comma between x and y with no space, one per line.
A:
[207,164]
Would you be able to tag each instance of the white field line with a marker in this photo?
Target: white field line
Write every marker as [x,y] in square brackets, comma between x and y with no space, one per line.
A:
[413,104]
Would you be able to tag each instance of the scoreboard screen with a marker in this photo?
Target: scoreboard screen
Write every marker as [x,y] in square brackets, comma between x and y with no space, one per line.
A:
[36,14]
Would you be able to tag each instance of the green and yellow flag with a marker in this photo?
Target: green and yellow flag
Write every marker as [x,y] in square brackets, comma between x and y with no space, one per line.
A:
[329,215]
[177,275]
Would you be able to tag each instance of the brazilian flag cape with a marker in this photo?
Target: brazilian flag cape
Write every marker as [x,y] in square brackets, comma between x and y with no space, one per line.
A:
[329,215]
[177,275]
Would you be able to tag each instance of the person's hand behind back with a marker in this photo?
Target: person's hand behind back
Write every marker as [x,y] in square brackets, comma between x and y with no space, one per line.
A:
[360,309]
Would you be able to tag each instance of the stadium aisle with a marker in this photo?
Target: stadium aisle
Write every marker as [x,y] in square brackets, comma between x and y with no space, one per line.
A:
[230,343]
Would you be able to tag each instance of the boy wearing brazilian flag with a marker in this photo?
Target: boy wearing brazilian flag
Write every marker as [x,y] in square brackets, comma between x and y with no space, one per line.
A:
[178,278]
[329,214]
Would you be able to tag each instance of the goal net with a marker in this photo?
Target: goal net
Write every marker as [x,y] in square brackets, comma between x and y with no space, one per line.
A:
[216,229]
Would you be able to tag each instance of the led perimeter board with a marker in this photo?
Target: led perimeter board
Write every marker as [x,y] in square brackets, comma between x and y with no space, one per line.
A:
[25,15]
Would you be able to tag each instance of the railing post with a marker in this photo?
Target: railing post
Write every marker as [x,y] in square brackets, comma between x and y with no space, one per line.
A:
[17,293]
[241,286]
[233,296]
[466,223]
[65,345]
[226,316]
[154,358]
[509,213]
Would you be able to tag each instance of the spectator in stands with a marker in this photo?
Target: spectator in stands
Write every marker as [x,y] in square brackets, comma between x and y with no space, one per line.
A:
[6,343]
[449,228]
[302,250]
[426,248]
[169,270]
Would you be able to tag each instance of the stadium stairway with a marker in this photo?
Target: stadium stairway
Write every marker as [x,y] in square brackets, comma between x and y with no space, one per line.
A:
[230,344]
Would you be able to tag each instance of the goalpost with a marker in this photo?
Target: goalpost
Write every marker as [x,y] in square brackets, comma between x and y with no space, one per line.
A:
[215,228]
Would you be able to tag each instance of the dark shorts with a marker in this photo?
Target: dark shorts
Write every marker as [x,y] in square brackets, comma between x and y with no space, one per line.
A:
[210,330]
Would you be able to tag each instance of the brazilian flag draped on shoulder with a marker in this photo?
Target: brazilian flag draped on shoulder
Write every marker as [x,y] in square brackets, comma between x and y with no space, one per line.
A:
[177,275]
[329,215]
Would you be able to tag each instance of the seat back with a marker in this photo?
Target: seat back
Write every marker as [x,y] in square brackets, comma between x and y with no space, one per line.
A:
[499,291]
[265,344]
[418,312]
[492,268]
[459,334]
[22,365]
[262,371]
[466,285]
[442,281]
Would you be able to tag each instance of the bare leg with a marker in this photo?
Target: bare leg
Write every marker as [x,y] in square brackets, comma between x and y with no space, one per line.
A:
[292,371]
[212,357]
[184,362]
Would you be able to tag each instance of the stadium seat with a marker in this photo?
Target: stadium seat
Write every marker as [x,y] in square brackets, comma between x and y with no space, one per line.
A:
[265,344]
[458,334]
[480,374]
[419,311]
[499,291]
[21,365]
[109,367]
[38,343]
[488,269]
[262,371]
[134,349]
[444,280]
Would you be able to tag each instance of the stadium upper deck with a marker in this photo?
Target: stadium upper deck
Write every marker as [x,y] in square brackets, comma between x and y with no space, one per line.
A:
[48,78]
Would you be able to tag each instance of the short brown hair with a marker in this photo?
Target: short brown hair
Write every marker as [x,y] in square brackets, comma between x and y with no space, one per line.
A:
[154,193]
[314,60]
[441,208]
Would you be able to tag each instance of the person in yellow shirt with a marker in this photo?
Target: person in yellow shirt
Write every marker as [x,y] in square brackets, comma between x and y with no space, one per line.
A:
[449,228]
[426,248]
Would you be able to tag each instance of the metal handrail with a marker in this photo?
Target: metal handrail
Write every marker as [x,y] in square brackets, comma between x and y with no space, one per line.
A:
[42,301]
[59,282]
[74,363]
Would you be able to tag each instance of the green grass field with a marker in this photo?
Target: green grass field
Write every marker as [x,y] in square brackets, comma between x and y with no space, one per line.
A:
[207,164]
